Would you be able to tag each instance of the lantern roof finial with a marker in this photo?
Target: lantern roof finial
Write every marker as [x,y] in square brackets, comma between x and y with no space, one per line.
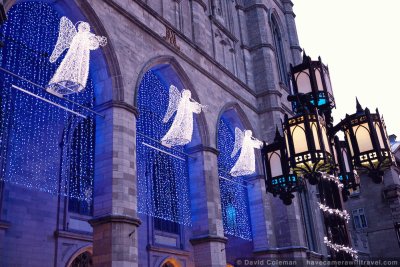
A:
[305,57]
[277,134]
[358,105]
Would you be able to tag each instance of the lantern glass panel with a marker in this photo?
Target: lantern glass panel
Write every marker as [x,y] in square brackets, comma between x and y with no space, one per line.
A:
[363,137]
[349,142]
[287,144]
[345,159]
[319,80]
[379,133]
[325,137]
[303,82]
[275,163]
[315,134]
[328,82]
[299,138]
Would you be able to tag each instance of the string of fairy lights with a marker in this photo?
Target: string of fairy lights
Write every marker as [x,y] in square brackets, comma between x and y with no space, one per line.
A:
[31,130]
[341,213]
[337,248]
[234,199]
[162,172]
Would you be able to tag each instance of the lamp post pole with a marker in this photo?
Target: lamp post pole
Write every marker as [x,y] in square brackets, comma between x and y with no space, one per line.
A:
[2,13]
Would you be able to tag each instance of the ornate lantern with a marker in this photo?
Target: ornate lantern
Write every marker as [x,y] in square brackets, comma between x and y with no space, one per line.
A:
[367,139]
[347,175]
[279,180]
[309,150]
[311,82]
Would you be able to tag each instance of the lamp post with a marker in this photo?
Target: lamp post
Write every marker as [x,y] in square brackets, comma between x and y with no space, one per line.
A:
[310,151]
[2,13]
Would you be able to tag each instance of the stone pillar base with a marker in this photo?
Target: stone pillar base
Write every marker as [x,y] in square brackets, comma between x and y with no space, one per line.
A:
[115,240]
[209,251]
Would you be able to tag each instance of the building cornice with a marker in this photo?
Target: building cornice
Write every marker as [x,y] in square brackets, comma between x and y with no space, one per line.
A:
[168,250]
[74,235]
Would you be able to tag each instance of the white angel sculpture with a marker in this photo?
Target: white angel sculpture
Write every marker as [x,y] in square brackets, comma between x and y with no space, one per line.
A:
[71,76]
[246,163]
[181,129]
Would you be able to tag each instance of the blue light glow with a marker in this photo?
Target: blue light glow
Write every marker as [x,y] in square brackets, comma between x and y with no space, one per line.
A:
[31,130]
[234,200]
[163,189]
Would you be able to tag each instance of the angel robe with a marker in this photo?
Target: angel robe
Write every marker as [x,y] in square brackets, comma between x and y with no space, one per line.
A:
[72,74]
[246,163]
[181,130]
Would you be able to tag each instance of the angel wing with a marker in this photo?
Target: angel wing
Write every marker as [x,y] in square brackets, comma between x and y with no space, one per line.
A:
[66,34]
[238,141]
[174,99]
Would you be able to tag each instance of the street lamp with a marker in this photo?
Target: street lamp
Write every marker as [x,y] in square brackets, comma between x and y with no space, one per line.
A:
[281,181]
[311,81]
[310,150]
[366,136]
[307,145]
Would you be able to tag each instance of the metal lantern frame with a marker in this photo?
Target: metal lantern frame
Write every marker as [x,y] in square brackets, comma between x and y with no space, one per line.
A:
[346,173]
[282,183]
[366,136]
[312,79]
[3,16]
[308,129]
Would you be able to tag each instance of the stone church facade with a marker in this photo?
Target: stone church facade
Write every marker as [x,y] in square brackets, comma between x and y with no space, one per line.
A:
[234,57]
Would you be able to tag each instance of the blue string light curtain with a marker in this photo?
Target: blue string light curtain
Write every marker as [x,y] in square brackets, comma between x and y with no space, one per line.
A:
[163,189]
[234,199]
[37,137]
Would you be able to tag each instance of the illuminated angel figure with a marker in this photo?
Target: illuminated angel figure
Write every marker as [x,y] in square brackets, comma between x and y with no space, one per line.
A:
[181,129]
[246,163]
[71,76]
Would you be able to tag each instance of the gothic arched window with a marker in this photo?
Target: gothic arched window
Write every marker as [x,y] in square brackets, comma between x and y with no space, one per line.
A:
[279,52]
[31,130]
[163,189]
[234,199]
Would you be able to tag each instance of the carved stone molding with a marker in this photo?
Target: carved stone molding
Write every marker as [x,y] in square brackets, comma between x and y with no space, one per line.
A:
[114,219]
[117,104]
[207,239]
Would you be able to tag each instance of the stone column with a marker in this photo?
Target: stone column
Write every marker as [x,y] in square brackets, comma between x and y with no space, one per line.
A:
[208,235]
[115,219]
[292,32]
[261,215]
[201,30]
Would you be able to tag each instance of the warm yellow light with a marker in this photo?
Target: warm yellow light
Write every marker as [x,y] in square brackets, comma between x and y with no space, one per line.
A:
[299,138]
[363,137]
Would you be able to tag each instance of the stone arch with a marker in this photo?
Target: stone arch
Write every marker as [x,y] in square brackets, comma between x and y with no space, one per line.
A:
[235,107]
[274,16]
[106,60]
[186,83]
[77,253]
[234,201]
[232,109]
[169,262]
